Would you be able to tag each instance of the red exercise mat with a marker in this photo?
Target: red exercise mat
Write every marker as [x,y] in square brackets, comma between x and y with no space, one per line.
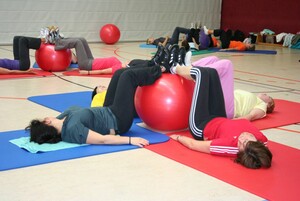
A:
[280,182]
[285,113]
[38,73]
[76,73]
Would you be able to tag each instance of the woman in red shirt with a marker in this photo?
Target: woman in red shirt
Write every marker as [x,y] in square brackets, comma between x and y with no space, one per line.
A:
[215,134]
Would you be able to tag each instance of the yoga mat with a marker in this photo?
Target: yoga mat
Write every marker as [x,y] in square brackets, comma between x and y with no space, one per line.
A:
[147,46]
[35,65]
[199,52]
[61,102]
[76,73]
[12,156]
[285,113]
[37,73]
[280,182]
[246,52]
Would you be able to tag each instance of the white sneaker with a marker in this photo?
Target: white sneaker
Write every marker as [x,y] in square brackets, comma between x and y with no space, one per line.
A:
[205,30]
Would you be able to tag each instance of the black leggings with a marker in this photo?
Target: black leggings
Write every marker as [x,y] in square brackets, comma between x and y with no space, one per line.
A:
[121,91]
[208,100]
[175,36]
[225,37]
[21,46]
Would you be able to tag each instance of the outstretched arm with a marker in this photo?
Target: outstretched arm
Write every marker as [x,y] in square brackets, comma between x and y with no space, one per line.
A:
[4,71]
[197,145]
[96,72]
[165,41]
[254,115]
[97,138]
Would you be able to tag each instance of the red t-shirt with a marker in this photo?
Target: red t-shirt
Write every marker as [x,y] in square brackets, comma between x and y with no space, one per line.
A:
[108,62]
[224,135]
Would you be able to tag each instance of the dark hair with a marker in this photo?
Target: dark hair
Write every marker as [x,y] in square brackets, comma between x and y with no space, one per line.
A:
[255,155]
[94,92]
[42,133]
[186,45]
[251,47]
[271,106]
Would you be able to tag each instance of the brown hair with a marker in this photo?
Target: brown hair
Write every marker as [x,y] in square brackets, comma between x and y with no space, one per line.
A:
[255,155]
[271,106]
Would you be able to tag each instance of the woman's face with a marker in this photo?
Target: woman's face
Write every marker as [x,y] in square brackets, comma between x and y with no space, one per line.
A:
[267,99]
[244,138]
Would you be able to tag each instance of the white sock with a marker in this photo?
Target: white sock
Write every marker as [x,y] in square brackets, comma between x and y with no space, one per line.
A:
[205,30]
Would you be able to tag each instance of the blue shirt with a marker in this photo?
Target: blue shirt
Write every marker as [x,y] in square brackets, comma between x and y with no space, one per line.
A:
[79,120]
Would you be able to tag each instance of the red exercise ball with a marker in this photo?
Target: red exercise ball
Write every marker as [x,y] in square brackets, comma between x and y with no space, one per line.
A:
[165,105]
[110,34]
[51,60]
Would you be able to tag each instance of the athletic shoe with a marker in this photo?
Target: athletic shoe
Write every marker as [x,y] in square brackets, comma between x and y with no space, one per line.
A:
[158,57]
[181,56]
[174,51]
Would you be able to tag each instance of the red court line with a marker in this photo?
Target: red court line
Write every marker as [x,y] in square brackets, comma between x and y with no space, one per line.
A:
[13,98]
[285,129]
[281,78]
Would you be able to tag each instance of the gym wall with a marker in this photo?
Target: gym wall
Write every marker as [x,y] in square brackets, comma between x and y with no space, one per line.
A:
[136,19]
[256,15]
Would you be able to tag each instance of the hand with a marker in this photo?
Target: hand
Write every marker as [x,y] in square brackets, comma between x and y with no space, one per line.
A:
[141,142]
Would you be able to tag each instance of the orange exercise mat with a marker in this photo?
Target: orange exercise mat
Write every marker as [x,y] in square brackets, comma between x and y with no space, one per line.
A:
[76,73]
[37,73]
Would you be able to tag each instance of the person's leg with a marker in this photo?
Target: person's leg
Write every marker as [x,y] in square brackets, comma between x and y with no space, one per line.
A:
[204,40]
[16,48]
[87,48]
[139,62]
[26,43]
[206,61]
[224,68]
[175,36]
[224,37]
[84,62]
[207,99]
[123,103]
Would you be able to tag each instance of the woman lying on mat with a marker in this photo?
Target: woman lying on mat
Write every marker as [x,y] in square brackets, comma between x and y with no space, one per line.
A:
[238,103]
[230,41]
[214,133]
[99,125]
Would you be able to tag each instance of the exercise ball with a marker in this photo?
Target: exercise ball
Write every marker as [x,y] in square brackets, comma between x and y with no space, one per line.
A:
[51,60]
[110,34]
[165,105]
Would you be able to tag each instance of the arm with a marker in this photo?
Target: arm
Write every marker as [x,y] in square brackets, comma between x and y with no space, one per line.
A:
[97,138]
[96,72]
[197,145]
[254,114]
[165,41]
[4,71]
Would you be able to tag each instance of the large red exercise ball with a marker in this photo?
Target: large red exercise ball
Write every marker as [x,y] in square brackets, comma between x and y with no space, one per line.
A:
[110,34]
[51,60]
[165,105]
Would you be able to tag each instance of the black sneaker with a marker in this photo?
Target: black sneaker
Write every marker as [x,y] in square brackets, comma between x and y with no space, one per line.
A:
[181,56]
[174,51]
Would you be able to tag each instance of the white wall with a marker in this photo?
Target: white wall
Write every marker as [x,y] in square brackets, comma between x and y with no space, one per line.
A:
[136,19]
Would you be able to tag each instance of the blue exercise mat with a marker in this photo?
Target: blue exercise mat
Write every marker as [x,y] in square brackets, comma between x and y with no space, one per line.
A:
[147,46]
[13,157]
[61,102]
[246,52]
[35,65]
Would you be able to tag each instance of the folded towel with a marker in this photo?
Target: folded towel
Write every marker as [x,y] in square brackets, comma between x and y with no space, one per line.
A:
[32,147]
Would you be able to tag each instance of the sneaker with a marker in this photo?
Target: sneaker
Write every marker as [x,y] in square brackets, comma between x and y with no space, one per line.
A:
[174,51]
[181,56]
[205,30]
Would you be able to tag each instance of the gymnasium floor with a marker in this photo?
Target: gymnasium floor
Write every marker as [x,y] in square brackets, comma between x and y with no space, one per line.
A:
[138,174]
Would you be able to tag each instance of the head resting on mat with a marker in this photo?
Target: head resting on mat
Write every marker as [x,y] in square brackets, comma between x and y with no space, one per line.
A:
[43,131]
[269,100]
[250,47]
[150,40]
[186,45]
[252,153]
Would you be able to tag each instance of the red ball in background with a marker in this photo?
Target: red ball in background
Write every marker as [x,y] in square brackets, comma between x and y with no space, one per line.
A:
[51,60]
[110,34]
[165,105]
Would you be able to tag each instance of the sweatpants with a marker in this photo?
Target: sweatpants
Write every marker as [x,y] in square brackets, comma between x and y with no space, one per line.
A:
[121,92]
[224,68]
[207,101]
[83,52]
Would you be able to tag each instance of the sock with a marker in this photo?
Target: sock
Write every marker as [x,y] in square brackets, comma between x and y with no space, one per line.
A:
[205,30]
